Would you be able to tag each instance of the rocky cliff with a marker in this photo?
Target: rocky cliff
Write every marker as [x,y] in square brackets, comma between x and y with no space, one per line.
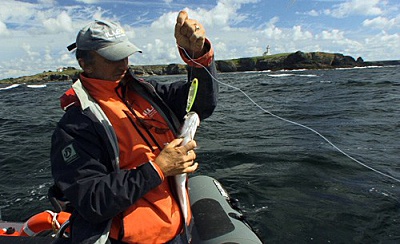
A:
[297,60]
[289,61]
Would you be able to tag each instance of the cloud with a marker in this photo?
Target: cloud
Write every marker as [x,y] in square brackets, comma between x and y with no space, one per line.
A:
[89,1]
[3,29]
[382,52]
[270,30]
[61,23]
[298,34]
[16,13]
[356,7]
[31,54]
[163,48]
[47,2]
[313,13]
[337,39]
[382,23]
[34,36]
[165,22]
[332,35]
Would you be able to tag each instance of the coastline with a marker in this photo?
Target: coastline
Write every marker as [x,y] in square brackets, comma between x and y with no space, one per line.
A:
[284,61]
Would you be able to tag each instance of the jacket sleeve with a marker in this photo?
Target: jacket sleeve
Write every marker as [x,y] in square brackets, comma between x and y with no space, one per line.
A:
[176,94]
[82,167]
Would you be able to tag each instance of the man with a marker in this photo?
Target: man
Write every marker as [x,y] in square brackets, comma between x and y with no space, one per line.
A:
[115,150]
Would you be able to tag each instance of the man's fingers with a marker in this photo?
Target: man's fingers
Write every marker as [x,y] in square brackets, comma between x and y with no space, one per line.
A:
[190,146]
[191,168]
[179,26]
[190,156]
[197,42]
[182,16]
[175,143]
[189,33]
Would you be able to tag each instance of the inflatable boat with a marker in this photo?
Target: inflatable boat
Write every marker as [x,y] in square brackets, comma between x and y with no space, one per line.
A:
[217,219]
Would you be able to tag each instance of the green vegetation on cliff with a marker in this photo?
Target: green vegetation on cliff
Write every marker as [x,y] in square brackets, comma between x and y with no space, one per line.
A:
[289,61]
[65,74]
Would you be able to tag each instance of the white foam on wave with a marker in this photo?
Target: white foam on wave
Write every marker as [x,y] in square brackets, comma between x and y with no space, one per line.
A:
[293,70]
[286,75]
[37,86]
[281,75]
[10,87]
[309,75]
[362,67]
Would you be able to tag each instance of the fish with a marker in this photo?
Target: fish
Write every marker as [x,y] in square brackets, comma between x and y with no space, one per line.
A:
[187,132]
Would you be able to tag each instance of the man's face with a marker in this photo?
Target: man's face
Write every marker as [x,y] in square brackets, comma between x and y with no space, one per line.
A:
[104,69]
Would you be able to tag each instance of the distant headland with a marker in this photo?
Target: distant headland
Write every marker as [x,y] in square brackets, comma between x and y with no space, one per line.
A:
[284,61]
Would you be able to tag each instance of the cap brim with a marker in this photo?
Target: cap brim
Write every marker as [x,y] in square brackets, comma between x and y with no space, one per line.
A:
[118,51]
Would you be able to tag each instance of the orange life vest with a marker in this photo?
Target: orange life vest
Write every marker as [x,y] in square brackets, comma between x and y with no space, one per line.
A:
[156,217]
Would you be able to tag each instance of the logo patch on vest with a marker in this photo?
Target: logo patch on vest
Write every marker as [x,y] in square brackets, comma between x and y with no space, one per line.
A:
[69,154]
[150,112]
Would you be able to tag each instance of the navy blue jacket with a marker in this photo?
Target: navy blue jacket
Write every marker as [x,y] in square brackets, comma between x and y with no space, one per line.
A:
[83,160]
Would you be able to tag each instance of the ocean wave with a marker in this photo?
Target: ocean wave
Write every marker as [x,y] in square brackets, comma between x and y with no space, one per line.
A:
[281,75]
[308,75]
[362,67]
[9,87]
[288,75]
[37,86]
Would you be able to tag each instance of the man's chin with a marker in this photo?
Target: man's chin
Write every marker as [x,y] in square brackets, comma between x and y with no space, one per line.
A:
[119,77]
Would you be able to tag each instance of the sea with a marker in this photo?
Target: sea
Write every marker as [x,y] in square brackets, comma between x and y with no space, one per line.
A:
[312,156]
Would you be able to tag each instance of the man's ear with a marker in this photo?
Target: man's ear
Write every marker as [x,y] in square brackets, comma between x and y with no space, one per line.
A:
[87,68]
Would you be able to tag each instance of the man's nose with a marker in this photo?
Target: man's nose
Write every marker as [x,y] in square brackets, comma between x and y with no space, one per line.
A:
[123,63]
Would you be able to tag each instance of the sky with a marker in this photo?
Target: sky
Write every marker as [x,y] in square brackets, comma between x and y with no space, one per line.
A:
[34,34]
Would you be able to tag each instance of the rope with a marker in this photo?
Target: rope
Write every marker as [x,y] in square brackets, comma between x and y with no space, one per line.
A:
[292,122]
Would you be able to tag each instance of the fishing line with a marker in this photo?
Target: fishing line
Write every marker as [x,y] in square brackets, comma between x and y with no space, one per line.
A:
[291,122]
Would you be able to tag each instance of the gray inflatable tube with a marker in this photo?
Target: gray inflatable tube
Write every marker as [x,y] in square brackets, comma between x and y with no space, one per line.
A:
[216,221]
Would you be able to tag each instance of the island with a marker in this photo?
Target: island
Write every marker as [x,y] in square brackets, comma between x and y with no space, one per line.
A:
[284,61]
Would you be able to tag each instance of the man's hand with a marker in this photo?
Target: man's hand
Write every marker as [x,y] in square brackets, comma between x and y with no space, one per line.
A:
[190,35]
[175,159]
